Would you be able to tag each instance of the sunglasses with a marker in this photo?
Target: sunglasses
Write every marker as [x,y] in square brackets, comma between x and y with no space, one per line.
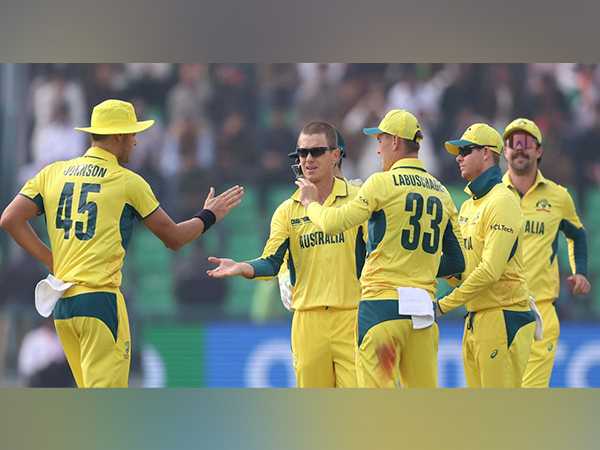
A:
[468,149]
[315,151]
[521,141]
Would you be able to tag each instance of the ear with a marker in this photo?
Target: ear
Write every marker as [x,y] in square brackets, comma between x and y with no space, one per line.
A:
[540,151]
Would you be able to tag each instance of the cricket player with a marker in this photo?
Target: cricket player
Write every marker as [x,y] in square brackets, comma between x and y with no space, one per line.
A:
[548,209]
[499,327]
[324,268]
[91,204]
[285,286]
[411,221]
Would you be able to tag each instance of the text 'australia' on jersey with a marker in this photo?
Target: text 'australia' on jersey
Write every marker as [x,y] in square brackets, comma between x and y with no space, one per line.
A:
[547,209]
[324,267]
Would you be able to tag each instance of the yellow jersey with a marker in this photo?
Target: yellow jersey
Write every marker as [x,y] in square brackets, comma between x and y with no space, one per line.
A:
[490,224]
[90,203]
[548,209]
[411,221]
[324,267]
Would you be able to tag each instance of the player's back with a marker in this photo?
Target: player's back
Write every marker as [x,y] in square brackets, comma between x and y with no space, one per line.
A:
[412,212]
[91,203]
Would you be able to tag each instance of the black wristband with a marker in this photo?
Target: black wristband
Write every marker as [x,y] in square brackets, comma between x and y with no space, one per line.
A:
[207,217]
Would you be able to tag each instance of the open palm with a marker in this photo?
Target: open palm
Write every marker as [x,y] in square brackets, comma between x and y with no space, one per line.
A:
[225,267]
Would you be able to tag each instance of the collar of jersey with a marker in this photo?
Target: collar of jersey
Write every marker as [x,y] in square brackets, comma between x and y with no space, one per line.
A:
[484,182]
[539,179]
[409,163]
[340,189]
[97,152]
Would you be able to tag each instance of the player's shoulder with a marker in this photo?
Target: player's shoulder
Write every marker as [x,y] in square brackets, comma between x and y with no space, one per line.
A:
[132,176]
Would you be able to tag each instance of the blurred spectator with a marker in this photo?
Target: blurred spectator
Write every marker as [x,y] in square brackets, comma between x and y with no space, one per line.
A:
[584,153]
[42,362]
[278,140]
[151,82]
[234,91]
[237,150]
[54,141]
[317,96]
[187,138]
[103,81]
[54,89]
[188,99]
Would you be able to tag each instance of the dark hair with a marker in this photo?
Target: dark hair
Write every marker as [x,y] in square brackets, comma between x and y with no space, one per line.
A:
[98,137]
[413,145]
[496,157]
[324,128]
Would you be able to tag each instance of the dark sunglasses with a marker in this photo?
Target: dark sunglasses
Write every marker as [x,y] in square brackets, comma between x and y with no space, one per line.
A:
[315,151]
[521,141]
[468,149]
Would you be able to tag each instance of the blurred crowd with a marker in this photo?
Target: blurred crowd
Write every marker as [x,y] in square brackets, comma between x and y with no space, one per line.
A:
[227,123]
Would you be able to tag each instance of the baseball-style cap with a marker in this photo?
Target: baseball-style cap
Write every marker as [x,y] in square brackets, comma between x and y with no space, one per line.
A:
[526,125]
[115,117]
[398,122]
[477,134]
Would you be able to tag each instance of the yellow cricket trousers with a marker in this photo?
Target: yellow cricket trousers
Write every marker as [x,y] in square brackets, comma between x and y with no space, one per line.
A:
[93,328]
[541,359]
[496,346]
[323,347]
[391,353]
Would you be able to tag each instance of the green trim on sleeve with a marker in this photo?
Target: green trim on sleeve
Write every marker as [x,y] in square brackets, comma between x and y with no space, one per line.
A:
[514,249]
[377,226]
[579,238]
[38,200]
[360,252]
[453,260]
[269,266]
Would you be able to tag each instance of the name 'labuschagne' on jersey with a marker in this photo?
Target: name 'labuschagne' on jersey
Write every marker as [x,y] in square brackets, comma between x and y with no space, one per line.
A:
[416,180]
[320,238]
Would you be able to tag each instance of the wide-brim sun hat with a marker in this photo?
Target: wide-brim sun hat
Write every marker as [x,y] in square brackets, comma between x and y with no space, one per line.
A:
[115,117]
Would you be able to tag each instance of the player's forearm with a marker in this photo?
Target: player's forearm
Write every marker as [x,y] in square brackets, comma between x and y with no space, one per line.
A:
[577,250]
[480,279]
[335,220]
[186,232]
[25,236]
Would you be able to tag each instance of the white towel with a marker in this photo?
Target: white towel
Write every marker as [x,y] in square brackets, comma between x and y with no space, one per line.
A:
[418,304]
[539,325]
[47,293]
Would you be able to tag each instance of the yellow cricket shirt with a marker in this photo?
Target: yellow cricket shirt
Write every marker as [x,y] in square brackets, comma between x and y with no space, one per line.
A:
[547,209]
[324,267]
[490,225]
[411,220]
[90,203]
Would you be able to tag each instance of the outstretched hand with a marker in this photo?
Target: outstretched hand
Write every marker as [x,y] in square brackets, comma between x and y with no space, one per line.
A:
[308,191]
[579,284]
[225,267]
[225,202]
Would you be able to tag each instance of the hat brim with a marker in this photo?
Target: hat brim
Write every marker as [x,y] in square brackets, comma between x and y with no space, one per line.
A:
[372,131]
[135,128]
[454,146]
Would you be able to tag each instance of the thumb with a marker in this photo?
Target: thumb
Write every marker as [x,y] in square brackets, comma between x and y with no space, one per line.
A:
[212,259]
[211,193]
